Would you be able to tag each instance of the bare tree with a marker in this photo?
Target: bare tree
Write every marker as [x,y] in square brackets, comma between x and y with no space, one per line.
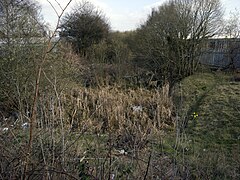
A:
[173,34]
[20,20]
[231,27]
[21,32]
[231,31]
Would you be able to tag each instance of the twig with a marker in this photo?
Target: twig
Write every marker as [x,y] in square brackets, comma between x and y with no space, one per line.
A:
[148,165]
[110,154]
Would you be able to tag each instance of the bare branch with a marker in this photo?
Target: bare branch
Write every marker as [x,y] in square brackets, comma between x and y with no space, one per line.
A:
[53,7]
[59,5]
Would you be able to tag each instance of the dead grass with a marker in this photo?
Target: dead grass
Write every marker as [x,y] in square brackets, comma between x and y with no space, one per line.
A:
[114,108]
[131,133]
[89,133]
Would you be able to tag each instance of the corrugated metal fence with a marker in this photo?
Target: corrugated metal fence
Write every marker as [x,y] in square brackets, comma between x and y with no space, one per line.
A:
[220,53]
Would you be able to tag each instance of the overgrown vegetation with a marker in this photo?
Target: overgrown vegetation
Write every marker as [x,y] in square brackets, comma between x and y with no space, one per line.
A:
[116,105]
[209,106]
[171,39]
[84,26]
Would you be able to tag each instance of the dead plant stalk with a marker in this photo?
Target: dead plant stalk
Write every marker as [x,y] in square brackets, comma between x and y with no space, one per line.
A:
[48,49]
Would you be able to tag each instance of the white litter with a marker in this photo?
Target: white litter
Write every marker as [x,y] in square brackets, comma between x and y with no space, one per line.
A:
[5,129]
[25,125]
[122,152]
[137,108]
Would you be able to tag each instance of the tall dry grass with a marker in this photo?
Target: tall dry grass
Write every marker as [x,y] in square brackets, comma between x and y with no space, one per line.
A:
[113,108]
[87,132]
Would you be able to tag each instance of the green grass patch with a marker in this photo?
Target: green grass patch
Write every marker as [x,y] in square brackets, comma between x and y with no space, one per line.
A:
[209,106]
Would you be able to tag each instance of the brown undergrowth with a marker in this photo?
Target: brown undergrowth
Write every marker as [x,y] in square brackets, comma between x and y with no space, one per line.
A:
[115,109]
[96,133]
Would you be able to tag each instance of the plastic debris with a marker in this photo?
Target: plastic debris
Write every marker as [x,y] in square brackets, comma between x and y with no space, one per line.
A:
[5,129]
[137,108]
[25,125]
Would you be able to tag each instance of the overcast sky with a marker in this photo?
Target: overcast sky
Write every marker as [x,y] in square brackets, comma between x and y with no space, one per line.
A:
[123,15]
